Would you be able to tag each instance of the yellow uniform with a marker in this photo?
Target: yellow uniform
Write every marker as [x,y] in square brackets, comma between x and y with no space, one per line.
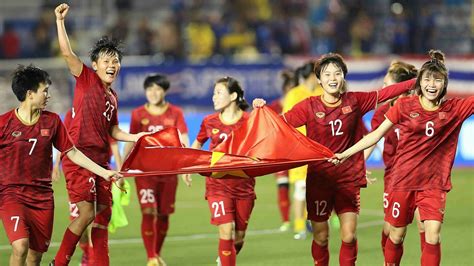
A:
[294,96]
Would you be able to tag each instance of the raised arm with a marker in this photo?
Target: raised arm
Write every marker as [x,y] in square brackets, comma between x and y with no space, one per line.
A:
[370,139]
[121,135]
[395,90]
[73,62]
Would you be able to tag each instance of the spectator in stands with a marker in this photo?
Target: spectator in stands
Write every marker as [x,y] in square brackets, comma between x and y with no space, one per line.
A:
[10,43]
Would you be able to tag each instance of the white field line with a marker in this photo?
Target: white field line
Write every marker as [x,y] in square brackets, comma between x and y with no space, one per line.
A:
[214,235]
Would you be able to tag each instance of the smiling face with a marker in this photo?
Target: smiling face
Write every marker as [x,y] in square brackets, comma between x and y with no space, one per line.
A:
[221,97]
[155,94]
[432,85]
[332,79]
[39,99]
[107,67]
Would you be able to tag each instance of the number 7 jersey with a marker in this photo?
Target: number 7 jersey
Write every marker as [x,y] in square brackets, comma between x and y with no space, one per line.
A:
[428,142]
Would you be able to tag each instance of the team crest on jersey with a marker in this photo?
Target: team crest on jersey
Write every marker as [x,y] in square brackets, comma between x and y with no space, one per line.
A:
[215,130]
[346,109]
[414,115]
[226,253]
[442,115]
[16,134]
[45,132]
[320,115]
[145,121]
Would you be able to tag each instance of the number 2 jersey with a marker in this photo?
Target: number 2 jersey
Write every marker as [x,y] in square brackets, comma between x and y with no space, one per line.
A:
[94,113]
[428,142]
[212,127]
[26,157]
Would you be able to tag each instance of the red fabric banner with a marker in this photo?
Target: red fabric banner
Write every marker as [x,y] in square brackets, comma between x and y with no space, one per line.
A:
[265,144]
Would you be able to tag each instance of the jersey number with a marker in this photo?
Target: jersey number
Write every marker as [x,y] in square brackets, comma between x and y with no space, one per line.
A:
[155,128]
[17,219]
[321,207]
[223,137]
[396,210]
[336,127]
[147,196]
[429,130]
[109,110]
[397,131]
[32,146]
[218,208]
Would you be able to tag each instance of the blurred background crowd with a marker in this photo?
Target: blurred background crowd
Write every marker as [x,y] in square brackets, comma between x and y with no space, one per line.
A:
[196,30]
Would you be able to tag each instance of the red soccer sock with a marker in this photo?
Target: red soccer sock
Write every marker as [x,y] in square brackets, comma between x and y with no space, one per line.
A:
[148,234]
[238,247]
[348,253]
[100,239]
[431,255]
[422,241]
[393,253]
[66,250]
[383,241]
[161,229]
[227,252]
[320,254]
[284,202]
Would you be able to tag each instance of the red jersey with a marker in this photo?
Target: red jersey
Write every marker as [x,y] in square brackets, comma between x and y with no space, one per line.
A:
[242,188]
[390,140]
[144,121]
[26,156]
[94,113]
[428,142]
[276,106]
[338,127]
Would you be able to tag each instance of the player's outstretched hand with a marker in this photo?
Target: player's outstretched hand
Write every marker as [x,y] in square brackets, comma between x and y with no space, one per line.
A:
[337,159]
[368,176]
[112,175]
[258,102]
[61,11]
[141,134]
[187,179]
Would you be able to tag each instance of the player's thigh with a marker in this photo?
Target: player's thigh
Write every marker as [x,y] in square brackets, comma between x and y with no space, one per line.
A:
[146,192]
[431,204]
[401,208]
[80,183]
[222,209]
[41,229]
[14,218]
[166,195]
[104,191]
[347,199]
[243,212]
[319,202]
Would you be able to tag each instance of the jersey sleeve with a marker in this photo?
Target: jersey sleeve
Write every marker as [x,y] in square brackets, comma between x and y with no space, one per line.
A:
[202,136]
[466,108]
[378,118]
[61,140]
[297,116]
[393,114]
[135,126]
[180,123]
[84,79]
[369,100]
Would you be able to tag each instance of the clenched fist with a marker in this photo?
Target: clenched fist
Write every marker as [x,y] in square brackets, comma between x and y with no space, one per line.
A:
[61,11]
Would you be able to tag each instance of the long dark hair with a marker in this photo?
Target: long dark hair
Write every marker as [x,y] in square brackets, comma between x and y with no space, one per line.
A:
[303,71]
[232,86]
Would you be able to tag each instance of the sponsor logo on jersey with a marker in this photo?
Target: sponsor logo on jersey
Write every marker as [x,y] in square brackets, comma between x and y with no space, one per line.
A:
[442,115]
[145,121]
[346,109]
[226,253]
[45,132]
[414,115]
[215,130]
[16,134]
[320,115]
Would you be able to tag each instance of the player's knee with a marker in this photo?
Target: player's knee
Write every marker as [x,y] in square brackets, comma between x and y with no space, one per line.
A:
[239,237]
[300,190]
[225,231]
[432,238]
[348,237]
[103,217]
[34,258]
[20,248]
[86,217]
[321,237]
[149,211]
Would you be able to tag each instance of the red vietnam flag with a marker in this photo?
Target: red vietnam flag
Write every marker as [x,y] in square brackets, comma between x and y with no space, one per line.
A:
[264,144]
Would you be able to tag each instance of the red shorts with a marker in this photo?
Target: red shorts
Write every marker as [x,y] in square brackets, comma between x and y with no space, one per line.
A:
[322,200]
[83,185]
[385,201]
[157,192]
[226,210]
[21,221]
[402,204]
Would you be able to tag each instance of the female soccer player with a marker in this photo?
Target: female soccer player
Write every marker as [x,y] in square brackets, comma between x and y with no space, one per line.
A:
[230,200]
[397,72]
[307,88]
[282,180]
[94,114]
[333,119]
[27,135]
[421,177]
[157,195]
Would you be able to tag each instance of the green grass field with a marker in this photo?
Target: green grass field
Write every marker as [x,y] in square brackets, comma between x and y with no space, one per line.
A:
[193,241]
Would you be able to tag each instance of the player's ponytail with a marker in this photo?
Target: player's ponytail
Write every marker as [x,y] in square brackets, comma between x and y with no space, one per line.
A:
[232,86]
[434,66]
[400,71]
